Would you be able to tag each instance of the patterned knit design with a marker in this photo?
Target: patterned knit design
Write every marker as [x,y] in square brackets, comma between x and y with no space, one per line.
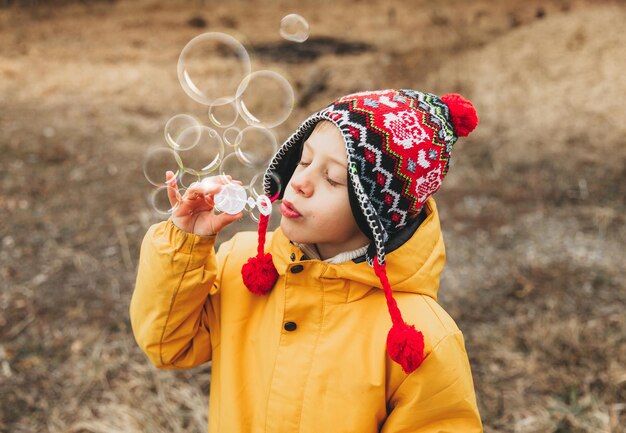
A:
[398,144]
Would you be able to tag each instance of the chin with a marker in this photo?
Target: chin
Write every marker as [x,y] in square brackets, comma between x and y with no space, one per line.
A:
[294,234]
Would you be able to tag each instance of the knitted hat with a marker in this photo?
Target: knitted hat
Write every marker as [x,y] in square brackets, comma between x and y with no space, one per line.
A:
[398,145]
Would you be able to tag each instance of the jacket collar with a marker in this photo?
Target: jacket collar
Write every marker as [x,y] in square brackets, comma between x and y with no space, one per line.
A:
[415,257]
[358,255]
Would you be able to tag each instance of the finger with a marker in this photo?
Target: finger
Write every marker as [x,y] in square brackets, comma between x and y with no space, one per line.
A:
[172,188]
[220,178]
[194,191]
[189,207]
[209,199]
[213,184]
[205,191]
[211,189]
[224,219]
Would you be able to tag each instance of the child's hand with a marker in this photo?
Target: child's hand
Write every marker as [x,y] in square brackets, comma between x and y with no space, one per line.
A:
[193,212]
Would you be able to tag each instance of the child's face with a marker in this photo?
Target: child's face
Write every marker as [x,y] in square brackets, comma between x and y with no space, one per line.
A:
[318,190]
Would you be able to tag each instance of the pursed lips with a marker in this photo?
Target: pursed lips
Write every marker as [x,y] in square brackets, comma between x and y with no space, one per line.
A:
[291,207]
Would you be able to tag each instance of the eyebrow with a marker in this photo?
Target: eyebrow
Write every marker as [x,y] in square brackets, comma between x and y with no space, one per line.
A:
[337,161]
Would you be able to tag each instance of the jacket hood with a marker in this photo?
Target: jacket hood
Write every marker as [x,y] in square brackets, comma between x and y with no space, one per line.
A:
[414,267]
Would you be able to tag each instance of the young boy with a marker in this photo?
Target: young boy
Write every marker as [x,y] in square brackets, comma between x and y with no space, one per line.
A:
[307,337]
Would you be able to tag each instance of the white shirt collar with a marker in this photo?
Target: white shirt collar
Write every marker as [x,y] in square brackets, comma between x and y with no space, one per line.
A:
[311,252]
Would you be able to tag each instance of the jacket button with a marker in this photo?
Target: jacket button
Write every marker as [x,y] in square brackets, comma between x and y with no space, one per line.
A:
[297,268]
[293,257]
[290,326]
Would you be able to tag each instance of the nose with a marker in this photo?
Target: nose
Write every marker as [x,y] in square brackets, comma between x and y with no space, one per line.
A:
[302,183]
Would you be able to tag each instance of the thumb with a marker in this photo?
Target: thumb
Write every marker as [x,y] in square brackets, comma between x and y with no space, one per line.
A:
[224,219]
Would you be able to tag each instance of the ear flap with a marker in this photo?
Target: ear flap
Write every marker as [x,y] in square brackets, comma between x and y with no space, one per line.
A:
[284,163]
[357,212]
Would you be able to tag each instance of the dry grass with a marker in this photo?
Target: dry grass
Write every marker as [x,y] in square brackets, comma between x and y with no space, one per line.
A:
[532,210]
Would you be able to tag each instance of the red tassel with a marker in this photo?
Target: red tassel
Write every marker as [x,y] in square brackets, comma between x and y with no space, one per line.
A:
[259,274]
[405,346]
[462,112]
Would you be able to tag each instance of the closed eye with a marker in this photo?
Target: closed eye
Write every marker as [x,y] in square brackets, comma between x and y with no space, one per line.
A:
[328,179]
[331,182]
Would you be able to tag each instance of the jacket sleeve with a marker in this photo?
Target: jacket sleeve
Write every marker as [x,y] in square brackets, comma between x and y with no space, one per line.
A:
[171,311]
[439,396]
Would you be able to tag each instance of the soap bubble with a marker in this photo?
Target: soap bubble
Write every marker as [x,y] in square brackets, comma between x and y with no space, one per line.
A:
[160,202]
[232,165]
[294,28]
[203,152]
[175,126]
[186,178]
[223,113]
[255,214]
[256,146]
[157,161]
[211,66]
[265,98]
[256,184]
[232,136]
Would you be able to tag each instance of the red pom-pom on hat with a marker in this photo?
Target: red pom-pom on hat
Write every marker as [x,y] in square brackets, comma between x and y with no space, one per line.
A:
[462,113]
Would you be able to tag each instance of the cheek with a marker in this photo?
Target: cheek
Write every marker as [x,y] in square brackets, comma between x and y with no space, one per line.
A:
[339,212]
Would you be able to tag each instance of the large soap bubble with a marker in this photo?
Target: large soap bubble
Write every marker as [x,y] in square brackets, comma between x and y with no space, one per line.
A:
[265,98]
[204,150]
[211,67]
[294,28]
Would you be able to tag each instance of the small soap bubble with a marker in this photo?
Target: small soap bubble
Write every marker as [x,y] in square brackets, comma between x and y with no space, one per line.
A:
[256,146]
[160,202]
[256,184]
[174,128]
[233,166]
[223,114]
[186,178]
[206,152]
[255,214]
[232,136]
[294,28]
[157,161]
[265,98]
[211,66]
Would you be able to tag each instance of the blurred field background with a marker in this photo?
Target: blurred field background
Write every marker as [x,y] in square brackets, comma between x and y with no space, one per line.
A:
[532,209]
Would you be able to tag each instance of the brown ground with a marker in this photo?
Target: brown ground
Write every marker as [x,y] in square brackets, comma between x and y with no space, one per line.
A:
[532,210]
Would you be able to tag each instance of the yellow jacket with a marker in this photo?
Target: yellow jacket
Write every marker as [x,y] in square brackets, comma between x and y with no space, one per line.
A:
[331,373]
